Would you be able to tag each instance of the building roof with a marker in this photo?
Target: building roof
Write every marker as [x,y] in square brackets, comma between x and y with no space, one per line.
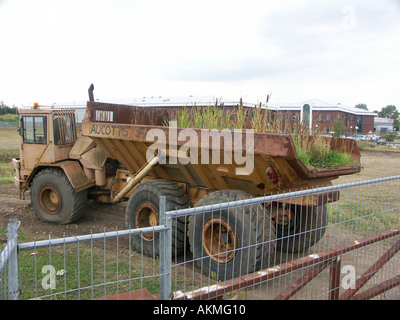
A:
[319,105]
[159,101]
[177,101]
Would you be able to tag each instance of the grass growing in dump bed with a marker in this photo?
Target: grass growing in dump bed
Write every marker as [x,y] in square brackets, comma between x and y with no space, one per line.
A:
[330,159]
[319,154]
[314,155]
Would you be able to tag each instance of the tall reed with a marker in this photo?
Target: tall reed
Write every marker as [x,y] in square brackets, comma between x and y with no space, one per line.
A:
[313,151]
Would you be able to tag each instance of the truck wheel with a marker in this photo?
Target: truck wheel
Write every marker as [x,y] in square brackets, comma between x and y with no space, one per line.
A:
[142,211]
[53,198]
[234,241]
[305,228]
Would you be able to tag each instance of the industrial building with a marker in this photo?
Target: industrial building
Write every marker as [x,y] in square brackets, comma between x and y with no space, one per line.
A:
[319,116]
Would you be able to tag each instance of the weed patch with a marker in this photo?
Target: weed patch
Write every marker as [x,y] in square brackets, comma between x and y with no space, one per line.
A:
[313,153]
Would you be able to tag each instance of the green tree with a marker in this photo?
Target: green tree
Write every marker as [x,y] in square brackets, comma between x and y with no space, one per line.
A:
[339,127]
[4,109]
[389,136]
[389,112]
[362,106]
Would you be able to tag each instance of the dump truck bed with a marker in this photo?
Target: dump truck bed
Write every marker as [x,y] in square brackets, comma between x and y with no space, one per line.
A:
[125,133]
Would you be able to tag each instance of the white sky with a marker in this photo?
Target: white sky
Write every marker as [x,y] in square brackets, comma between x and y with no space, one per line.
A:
[345,51]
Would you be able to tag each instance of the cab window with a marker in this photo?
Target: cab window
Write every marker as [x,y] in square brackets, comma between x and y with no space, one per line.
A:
[64,129]
[34,129]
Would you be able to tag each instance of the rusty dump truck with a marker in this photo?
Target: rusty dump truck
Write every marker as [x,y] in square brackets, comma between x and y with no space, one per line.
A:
[126,153]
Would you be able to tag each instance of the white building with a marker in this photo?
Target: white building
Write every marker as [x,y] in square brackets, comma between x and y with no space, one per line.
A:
[383,124]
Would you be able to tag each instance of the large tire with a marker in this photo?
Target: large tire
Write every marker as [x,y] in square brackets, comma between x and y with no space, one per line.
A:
[232,242]
[53,198]
[142,211]
[307,227]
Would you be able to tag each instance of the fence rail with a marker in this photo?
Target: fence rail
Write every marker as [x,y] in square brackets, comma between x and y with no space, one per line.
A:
[8,124]
[280,246]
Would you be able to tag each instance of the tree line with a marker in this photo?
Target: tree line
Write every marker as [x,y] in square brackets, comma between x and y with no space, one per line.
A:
[4,109]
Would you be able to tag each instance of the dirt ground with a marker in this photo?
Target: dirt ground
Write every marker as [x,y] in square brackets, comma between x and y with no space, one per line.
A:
[99,218]
[375,164]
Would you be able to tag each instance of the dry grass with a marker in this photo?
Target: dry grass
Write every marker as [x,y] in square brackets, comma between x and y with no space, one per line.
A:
[314,153]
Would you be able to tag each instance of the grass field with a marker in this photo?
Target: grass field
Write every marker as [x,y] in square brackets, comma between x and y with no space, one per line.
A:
[9,148]
[98,274]
[9,117]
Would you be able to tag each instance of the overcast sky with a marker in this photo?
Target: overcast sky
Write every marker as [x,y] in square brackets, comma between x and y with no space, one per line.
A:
[338,51]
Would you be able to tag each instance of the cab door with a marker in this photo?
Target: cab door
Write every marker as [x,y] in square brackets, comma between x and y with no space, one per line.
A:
[33,130]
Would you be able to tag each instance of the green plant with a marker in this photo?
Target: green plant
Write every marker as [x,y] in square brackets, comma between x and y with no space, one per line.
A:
[241,115]
[339,127]
[362,216]
[209,117]
[389,136]
[266,121]
[313,151]
[365,145]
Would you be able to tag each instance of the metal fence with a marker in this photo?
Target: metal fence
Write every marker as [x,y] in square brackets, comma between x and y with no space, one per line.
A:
[7,124]
[336,242]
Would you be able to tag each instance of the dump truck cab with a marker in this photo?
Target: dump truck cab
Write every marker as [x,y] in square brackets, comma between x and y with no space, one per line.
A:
[47,137]
[56,165]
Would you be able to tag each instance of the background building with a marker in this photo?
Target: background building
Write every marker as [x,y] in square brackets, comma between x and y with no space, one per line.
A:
[318,116]
[325,118]
[383,125]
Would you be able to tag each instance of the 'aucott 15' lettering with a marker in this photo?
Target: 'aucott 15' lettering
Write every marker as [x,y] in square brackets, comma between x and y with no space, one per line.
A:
[109,130]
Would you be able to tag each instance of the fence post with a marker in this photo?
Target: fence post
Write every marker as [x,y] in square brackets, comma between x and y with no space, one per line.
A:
[12,244]
[165,252]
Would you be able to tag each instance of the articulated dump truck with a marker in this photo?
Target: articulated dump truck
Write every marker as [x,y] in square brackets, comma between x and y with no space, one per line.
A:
[126,153]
